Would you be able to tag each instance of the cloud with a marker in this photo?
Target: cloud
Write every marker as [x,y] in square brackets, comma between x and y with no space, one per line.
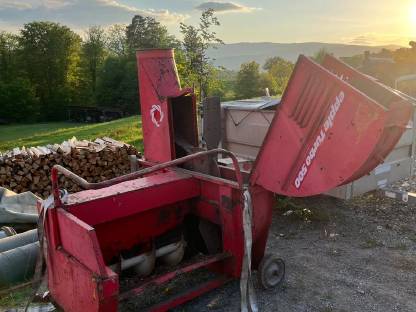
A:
[56,4]
[377,39]
[78,13]
[11,4]
[225,7]
[161,15]
[33,4]
[363,39]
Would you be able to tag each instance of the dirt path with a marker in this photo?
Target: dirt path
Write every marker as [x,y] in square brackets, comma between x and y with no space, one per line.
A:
[350,256]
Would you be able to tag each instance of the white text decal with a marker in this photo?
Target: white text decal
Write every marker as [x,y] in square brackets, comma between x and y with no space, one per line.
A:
[328,124]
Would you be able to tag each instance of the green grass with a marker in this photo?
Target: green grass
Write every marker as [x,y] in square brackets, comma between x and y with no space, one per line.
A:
[127,130]
[15,299]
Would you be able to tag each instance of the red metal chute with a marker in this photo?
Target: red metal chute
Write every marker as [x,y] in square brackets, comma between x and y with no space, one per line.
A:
[159,82]
[399,111]
[327,132]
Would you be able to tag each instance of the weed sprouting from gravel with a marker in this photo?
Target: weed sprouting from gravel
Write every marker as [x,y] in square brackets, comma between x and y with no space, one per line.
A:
[371,243]
[296,211]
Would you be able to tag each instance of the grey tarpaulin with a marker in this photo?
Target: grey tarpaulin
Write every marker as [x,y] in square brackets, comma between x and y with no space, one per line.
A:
[17,208]
[248,296]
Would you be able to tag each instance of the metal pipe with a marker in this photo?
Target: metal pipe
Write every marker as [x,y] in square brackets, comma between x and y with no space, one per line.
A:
[18,240]
[134,175]
[133,163]
[130,262]
[162,251]
[18,264]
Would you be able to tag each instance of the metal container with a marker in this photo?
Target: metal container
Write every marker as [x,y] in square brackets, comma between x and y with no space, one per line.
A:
[245,124]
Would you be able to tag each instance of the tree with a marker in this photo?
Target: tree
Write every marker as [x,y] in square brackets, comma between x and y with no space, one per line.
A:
[320,55]
[93,55]
[196,41]
[406,56]
[117,85]
[248,81]
[18,101]
[268,81]
[147,33]
[117,40]
[279,71]
[50,56]
[9,48]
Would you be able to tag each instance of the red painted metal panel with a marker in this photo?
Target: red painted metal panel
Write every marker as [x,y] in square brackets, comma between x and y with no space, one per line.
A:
[85,248]
[399,111]
[321,135]
[208,205]
[73,285]
[208,210]
[132,197]
[158,81]
[263,202]
[232,229]
[75,288]
[125,233]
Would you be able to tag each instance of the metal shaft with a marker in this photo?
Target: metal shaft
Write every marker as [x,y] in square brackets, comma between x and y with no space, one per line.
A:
[134,175]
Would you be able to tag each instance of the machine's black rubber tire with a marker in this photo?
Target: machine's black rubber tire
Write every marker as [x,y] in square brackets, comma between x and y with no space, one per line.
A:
[271,271]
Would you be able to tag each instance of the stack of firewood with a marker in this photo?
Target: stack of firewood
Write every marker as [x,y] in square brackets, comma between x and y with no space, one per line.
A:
[28,169]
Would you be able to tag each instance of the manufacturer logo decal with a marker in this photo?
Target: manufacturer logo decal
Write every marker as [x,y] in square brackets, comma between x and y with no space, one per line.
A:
[156,114]
[320,138]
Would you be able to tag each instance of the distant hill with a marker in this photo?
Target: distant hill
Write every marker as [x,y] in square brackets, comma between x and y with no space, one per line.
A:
[231,56]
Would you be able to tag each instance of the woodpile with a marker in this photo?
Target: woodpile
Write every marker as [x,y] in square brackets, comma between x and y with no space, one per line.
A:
[28,169]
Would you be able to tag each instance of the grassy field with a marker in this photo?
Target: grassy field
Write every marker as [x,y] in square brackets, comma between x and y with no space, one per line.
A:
[127,130]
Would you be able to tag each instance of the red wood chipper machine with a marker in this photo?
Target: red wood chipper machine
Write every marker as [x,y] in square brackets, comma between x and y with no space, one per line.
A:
[181,212]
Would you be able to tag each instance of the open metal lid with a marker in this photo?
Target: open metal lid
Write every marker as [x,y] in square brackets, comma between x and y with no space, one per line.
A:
[252,104]
[328,130]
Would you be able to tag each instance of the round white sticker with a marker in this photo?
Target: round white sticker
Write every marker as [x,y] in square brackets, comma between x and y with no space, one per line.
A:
[156,114]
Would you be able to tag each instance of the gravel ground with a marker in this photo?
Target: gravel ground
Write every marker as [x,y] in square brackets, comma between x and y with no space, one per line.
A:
[357,255]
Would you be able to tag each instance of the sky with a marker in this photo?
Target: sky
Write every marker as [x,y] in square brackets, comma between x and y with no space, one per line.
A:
[367,22]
